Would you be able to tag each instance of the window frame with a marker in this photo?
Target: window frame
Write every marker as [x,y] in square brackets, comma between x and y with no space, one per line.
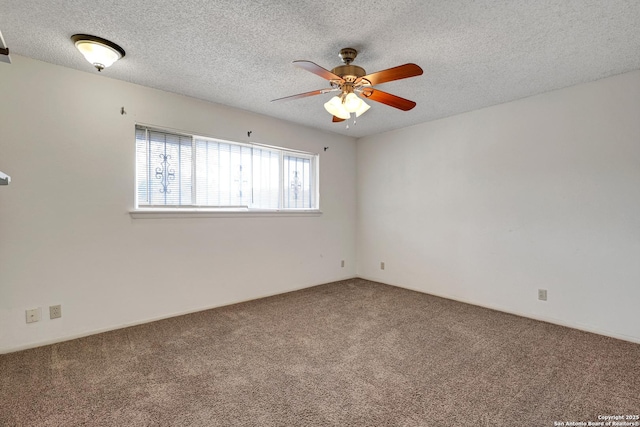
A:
[199,211]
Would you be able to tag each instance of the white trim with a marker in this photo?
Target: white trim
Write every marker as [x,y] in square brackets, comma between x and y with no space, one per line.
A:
[217,139]
[553,320]
[7,350]
[218,213]
[35,344]
[313,159]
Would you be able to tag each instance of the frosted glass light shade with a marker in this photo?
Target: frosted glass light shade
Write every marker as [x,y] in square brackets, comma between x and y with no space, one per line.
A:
[352,103]
[363,108]
[335,107]
[99,52]
[343,110]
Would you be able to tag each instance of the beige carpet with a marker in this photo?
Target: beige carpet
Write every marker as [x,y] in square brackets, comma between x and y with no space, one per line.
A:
[352,353]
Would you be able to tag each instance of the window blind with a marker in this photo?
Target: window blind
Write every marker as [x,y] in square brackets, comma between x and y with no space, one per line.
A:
[164,168]
[184,170]
[297,192]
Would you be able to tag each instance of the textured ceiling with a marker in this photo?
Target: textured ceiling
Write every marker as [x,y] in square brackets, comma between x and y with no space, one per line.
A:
[240,52]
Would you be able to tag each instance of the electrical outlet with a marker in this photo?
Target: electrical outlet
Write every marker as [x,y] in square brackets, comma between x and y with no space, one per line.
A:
[542,294]
[55,311]
[33,315]
[342,264]
[382,266]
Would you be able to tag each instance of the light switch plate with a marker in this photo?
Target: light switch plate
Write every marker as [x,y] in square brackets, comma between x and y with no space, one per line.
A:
[33,315]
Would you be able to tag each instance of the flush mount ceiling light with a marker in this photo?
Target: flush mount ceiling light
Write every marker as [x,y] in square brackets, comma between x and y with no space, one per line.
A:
[99,52]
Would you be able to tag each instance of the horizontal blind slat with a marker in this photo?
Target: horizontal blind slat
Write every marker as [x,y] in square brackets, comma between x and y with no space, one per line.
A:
[221,173]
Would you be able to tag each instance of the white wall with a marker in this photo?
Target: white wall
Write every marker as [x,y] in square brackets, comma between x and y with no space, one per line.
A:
[66,236]
[484,207]
[488,206]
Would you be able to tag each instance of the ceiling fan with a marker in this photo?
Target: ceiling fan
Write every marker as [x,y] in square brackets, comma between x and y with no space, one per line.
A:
[350,81]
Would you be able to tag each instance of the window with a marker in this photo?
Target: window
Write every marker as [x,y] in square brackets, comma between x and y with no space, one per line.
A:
[177,170]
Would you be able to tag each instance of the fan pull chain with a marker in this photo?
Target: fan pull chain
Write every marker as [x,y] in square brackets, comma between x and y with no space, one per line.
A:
[353,116]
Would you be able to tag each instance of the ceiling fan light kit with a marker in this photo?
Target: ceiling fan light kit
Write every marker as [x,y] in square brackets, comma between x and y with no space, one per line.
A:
[99,52]
[351,80]
[352,103]
[335,108]
[342,106]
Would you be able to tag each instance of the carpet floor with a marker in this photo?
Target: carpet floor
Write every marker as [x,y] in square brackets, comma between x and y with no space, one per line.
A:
[350,353]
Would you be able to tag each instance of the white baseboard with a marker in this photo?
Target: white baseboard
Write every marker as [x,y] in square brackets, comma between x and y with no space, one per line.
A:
[28,346]
[560,322]
[555,321]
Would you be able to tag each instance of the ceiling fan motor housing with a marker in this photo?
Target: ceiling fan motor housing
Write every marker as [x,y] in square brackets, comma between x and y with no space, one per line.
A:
[349,72]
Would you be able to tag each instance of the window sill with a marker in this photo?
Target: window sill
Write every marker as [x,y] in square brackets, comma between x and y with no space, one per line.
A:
[218,213]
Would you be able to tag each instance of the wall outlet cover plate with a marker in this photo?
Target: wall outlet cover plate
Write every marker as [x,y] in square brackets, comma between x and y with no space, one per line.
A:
[55,311]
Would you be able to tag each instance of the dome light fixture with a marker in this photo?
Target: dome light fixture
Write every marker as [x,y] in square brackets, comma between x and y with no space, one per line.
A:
[99,52]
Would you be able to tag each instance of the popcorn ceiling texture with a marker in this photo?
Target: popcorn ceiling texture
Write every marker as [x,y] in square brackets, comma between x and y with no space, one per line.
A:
[239,53]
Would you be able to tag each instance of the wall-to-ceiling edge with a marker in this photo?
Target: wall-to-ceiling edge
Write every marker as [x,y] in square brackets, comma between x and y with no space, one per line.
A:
[490,206]
[66,236]
[485,207]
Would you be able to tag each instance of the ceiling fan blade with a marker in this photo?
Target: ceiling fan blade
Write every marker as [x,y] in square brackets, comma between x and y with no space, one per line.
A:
[337,119]
[395,73]
[388,99]
[304,95]
[316,69]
